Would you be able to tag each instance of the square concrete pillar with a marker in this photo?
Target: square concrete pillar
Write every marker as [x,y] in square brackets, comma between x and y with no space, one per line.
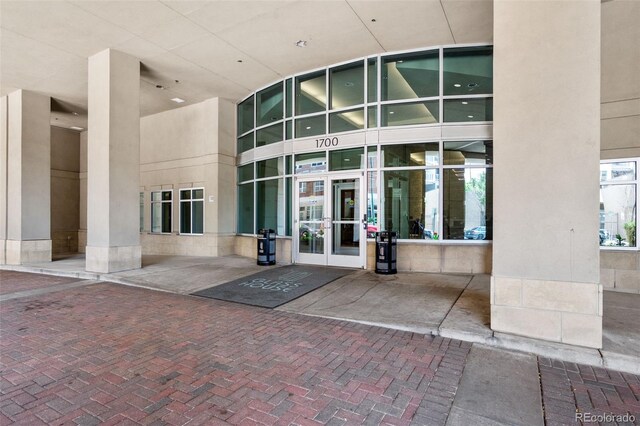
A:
[547,149]
[25,186]
[113,163]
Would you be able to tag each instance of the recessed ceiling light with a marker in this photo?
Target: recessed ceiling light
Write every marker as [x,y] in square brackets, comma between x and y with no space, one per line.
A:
[308,127]
[457,85]
[76,128]
[74,113]
[301,43]
[239,61]
[391,112]
[465,103]
[347,159]
[373,20]
[470,116]
[177,100]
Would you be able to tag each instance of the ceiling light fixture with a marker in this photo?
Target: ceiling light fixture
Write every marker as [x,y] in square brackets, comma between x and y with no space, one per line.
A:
[159,86]
[373,20]
[391,112]
[177,100]
[308,127]
[470,116]
[74,113]
[76,128]
[239,61]
[465,103]
[301,43]
[457,85]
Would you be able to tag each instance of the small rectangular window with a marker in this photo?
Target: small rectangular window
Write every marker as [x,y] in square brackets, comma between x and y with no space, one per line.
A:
[618,203]
[161,207]
[192,211]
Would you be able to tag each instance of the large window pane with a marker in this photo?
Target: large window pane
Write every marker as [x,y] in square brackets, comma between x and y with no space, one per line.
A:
[618,215]
[245,172]
[289,97]
[269,135]
[411,203]
[619,171]
[346,121]
[461,110]
[245,143]
[269,168]
[197,222]
[311,93]
[346,159]
[245,208]
[372,80]
[347,85]
[410,76]
[410,114]
[468,70]
[310,126]
[467,153]
[245,116]
[467,203]
[288,220]
[185,217]
[372,204]
[270,205]
[312,162]
[269,104]
[416,154]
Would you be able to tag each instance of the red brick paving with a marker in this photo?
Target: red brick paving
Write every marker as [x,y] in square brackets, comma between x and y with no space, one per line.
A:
[107,354]
[569,388]
[11,281]
[118,355]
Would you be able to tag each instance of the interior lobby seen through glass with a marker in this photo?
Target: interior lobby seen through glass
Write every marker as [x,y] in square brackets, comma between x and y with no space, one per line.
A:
[410,76]
[346,159]
[467,153]
[269,104]
[311,93]
[245,116]
[417,154]
[347,85]
[468,71]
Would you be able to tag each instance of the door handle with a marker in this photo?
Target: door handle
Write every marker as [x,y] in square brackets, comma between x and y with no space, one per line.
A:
[364,221]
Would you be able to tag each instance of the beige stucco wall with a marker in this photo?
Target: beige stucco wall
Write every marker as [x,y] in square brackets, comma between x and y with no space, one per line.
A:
[191,147]
[545,283]
[65,190]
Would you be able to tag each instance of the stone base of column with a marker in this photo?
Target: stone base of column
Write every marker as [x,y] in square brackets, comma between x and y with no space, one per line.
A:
[82,240]
[559,311]
[28,251]
[113,259]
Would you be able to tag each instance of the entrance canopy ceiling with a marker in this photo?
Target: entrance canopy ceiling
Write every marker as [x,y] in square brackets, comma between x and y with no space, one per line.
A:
[195,50]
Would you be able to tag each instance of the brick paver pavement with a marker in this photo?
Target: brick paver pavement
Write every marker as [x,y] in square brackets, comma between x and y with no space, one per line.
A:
[11,281]
[118,355]
[569,388]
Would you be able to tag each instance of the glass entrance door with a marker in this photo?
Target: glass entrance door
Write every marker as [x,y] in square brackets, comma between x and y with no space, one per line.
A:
[330,222]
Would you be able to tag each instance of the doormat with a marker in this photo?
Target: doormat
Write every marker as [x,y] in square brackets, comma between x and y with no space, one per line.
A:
[274,287]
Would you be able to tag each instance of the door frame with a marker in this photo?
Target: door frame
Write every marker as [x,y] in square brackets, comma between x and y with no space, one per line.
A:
[326,258]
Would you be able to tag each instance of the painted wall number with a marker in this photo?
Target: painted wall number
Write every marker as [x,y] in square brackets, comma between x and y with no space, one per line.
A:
[326,142]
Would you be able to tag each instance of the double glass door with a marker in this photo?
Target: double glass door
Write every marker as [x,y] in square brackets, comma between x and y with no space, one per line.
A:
[330,223]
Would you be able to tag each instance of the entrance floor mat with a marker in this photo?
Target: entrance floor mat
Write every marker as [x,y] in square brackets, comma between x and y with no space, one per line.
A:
[274,287]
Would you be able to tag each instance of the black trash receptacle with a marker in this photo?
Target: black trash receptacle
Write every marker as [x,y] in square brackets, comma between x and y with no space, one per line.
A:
[266,247]
[386,242]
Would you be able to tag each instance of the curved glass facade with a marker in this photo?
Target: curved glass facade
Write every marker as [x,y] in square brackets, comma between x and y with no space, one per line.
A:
[438,189]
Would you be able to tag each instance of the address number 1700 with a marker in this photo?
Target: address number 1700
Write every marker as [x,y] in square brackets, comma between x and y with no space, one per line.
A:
[326,142]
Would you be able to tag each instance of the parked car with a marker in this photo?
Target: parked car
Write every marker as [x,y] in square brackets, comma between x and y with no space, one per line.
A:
[477,233]
[604,235]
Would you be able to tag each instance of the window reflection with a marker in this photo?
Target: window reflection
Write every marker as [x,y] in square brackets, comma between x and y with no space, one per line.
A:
[410,114]
[467,203]
[468,109]
[468,153]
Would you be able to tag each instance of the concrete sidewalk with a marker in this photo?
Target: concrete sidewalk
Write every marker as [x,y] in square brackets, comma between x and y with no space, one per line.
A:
[85,353]
[449,305]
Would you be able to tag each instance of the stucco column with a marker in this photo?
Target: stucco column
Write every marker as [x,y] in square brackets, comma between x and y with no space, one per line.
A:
[26,185]
[547,144]
[113,163]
